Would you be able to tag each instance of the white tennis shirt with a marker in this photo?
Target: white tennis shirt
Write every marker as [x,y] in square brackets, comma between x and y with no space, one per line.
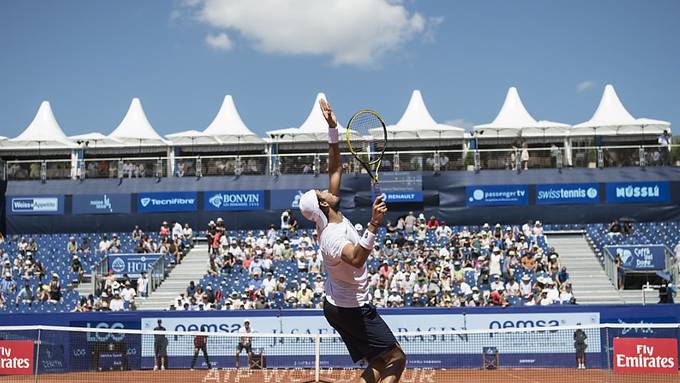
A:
[346,285]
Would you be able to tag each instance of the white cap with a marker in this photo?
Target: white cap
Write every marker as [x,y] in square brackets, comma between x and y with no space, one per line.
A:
[309,206]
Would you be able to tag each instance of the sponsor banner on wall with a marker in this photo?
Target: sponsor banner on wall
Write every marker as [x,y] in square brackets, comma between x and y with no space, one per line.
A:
[235,200]
[101,203]
[638,192]
[497,195]
[402,196]
[16,357]
[640,257]
[646,355]
[528,343]
[567,194]
[285,199]
[131,264]
[36,205]
[167,201]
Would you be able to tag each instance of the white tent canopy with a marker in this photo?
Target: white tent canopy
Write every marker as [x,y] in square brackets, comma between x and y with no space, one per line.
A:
[314,128]
[609,117]
[43,132]
[192,137]
[511,119]
[135,128]
[95,138]
[228,127]
[417,123]
[545,128]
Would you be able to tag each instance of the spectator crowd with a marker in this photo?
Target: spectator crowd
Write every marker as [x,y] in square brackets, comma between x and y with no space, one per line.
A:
[417,262]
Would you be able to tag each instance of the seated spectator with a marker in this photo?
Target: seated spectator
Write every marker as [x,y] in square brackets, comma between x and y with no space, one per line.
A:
[55,288]
[128,293]
[537,231]
[43,294]
[188,234]
[117,303]
[115,245]
[25,295]
[432,223]
[615,228]
[104,244]
[8,286]
[304,296]
[72,246]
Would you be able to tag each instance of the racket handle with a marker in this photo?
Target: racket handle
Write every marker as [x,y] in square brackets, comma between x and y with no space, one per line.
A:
[376,190]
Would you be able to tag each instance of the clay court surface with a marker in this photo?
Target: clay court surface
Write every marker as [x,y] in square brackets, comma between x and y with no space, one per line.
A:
[348,375]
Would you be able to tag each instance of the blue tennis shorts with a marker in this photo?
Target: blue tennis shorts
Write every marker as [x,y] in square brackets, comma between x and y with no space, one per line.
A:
[364,332]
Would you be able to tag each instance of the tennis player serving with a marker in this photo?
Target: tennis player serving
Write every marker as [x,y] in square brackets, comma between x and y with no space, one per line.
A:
[344,253]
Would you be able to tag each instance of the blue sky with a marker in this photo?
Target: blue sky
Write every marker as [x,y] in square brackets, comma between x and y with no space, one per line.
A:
[89,58]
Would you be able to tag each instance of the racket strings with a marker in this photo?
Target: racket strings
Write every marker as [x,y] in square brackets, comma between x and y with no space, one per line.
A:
[367,132]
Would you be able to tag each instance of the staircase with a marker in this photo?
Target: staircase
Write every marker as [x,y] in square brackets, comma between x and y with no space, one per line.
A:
[591,284]
[193,267]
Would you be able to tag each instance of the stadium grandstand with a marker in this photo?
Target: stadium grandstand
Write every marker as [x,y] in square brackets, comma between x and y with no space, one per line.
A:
[146,250]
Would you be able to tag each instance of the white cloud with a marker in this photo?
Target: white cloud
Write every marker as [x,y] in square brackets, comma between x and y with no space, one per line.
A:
[219,41]
[355,32]
[585,85]
[461,123]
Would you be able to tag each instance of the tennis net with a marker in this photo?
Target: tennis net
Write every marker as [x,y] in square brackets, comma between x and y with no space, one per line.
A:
[590,353]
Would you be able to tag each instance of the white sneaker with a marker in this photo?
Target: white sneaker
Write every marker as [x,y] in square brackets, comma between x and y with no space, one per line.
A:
[191,369]
[155,368]
[162,368]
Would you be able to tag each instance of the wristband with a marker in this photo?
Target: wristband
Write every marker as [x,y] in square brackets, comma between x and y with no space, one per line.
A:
[367,240]
[332,135]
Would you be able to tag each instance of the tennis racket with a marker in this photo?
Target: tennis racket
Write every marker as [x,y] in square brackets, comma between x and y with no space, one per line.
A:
[367,141]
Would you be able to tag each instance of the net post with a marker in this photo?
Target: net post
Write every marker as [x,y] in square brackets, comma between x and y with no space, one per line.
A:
[317,357]
[608,355]
[37,358]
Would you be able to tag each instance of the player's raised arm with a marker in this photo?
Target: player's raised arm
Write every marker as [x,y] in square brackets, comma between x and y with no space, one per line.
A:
[356,255]
[334,161]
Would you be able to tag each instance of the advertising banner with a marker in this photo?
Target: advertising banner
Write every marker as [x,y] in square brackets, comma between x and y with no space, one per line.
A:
[640,257]
[497,195]
[638,192]
[239,200]
[401,196]
[16,357]
[131,264]
[36,205]
[422,350]
[567,194]
[101,203]
[646,355]
[167,201]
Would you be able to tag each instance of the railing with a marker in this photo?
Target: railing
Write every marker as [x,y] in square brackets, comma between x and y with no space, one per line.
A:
[157,273]
[517,159]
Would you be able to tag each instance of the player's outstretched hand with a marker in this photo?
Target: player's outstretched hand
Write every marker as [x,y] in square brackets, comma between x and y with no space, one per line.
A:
[328,113]
[379,210]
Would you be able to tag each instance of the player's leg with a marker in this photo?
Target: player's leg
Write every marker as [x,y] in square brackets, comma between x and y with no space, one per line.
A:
[372,372]
[205,355]
[395,362]
[193,360]
[249,351]
[238,355]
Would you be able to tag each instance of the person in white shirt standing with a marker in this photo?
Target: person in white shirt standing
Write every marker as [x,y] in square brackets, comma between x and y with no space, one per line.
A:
[347,304]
